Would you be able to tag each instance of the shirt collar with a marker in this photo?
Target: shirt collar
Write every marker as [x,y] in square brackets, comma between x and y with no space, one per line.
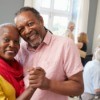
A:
[47,38]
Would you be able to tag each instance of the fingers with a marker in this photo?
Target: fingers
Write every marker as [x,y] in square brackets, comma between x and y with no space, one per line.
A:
[36,77]
[36,82]
[40,69]
[36,71]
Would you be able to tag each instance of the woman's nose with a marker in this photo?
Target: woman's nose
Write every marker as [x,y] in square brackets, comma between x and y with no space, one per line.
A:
[11,44]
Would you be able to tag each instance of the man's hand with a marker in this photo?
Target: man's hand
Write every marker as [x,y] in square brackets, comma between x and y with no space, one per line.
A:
[37,78]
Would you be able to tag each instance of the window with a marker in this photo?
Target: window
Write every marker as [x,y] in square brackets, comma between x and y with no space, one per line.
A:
[56,14]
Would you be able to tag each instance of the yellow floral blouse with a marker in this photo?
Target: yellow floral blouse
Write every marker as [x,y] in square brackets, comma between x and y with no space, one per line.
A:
[7,91]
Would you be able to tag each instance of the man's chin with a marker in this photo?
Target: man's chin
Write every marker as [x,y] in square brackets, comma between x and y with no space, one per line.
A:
[36,43]
[33,45]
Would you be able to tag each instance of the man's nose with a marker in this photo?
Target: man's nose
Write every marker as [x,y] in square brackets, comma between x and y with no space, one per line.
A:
[27,30]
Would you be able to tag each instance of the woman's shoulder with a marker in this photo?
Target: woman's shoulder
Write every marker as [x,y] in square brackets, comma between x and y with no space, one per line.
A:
[1,78]
[6,89]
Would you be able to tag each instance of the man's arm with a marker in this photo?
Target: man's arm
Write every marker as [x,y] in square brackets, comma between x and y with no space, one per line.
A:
[71,87]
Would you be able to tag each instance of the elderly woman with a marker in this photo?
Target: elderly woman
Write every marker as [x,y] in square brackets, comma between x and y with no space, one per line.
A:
[11,72]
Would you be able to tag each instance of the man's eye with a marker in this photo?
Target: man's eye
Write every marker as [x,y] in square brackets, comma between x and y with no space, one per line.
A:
[31,24]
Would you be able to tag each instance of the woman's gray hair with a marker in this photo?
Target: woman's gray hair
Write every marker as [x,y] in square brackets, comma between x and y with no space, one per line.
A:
[6,24]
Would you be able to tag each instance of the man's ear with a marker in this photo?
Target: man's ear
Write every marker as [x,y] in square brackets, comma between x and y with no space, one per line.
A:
[41,20]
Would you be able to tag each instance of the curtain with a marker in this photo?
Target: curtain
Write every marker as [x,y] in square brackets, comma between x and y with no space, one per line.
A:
[82,19]
[28,3]
[33,3]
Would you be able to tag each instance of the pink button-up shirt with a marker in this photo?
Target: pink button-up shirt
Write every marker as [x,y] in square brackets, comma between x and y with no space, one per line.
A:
[58,56]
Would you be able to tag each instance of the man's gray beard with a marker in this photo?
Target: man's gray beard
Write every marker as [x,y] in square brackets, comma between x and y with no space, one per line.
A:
[36,43]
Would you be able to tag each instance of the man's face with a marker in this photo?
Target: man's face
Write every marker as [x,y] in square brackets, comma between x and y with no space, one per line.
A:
[9,42]
[30,28]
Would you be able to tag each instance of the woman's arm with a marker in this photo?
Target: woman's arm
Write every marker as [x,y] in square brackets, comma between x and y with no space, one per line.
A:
[27,94]
[36,73]
[79,45]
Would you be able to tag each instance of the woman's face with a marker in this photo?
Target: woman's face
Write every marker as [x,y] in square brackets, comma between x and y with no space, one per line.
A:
[9,42]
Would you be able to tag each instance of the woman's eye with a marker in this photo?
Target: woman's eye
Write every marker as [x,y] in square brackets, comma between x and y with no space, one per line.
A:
[6,40]
[16,41]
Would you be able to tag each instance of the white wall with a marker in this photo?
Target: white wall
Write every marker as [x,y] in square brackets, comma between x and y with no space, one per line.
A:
[8,8]
[96,40]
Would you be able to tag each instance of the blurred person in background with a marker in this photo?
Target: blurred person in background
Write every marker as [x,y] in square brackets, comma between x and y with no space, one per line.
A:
[82,45]
[70,29]
[91,76]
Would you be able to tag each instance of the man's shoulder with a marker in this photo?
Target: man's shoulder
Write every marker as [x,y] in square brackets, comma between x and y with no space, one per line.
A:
[61,38]
[64,40]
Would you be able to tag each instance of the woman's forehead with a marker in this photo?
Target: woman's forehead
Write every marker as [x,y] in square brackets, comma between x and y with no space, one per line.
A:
[8,30]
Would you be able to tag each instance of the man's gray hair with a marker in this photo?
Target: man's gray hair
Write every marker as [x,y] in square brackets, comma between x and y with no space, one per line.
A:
[97,53]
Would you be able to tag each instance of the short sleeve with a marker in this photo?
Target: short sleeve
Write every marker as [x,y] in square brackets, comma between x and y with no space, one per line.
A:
[73,63]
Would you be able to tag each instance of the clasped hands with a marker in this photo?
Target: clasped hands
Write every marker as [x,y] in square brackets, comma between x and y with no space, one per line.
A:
[37,78]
